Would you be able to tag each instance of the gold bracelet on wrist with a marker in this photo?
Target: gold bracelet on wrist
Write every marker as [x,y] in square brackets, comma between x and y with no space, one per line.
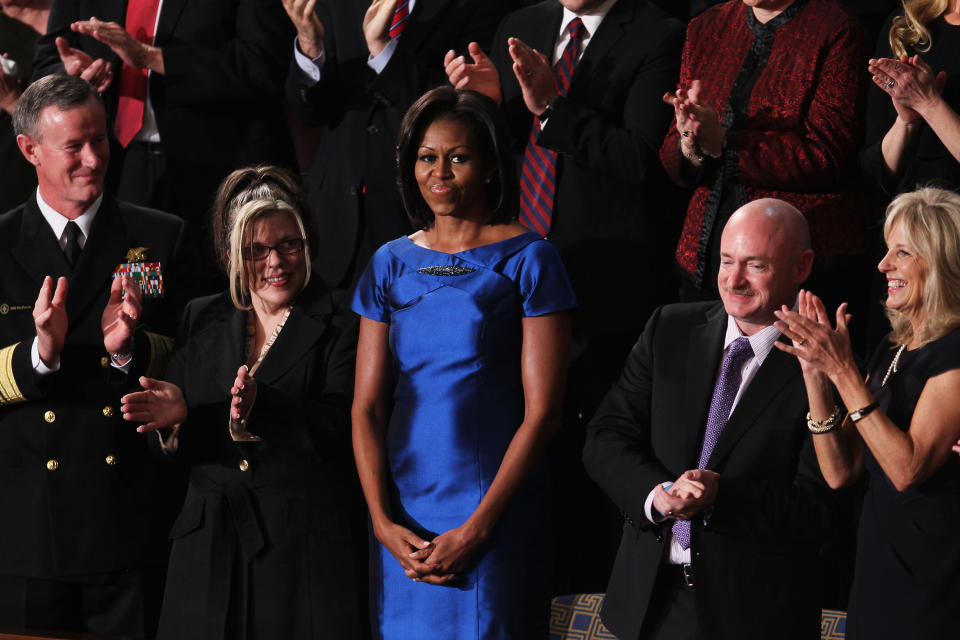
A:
[824,426]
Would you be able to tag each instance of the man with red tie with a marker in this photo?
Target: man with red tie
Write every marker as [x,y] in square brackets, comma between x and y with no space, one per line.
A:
[578,80]
[192,89]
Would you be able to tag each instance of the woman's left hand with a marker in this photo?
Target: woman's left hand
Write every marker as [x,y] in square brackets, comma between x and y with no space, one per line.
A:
[450,554]
[910,82]
[244,392]
[816,342]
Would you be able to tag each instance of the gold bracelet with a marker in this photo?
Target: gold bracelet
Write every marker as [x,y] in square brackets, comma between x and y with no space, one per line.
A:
[824,426]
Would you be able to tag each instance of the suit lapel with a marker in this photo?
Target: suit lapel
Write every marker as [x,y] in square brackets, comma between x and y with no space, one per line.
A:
[610,31]
[307,322]
[223,344]
[38,251]
[103,251]
[777,370]
[704,348]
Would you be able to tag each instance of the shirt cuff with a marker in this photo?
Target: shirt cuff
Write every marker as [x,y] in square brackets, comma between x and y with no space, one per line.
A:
[311,67]
[38,367]
[125,367]
[652,514]
[379,63]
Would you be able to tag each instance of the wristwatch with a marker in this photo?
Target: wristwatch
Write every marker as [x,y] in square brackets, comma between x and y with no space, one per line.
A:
[860,414]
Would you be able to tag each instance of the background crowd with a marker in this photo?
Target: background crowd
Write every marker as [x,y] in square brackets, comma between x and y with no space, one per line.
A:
[506,193]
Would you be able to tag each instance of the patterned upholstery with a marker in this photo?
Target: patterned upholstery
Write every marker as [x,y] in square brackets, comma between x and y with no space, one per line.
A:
[577,617]
[833,624]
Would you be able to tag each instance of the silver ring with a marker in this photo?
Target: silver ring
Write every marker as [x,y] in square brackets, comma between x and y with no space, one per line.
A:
[529,73]
[891,84]
[686,134]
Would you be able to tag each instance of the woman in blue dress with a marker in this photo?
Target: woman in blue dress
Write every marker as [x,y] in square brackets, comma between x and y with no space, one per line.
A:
[460,371]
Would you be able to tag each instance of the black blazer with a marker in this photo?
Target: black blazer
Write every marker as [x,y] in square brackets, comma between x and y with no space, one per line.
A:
[219,105]
[352,178]
[278,507]
[75,479]
[755,557]
[612,208]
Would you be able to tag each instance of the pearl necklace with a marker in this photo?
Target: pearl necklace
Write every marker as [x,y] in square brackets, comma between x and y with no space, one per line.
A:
[893,365]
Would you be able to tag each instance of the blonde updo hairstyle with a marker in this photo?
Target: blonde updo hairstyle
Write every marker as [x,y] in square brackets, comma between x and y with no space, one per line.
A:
[929,220]
[243,197]
[909,31]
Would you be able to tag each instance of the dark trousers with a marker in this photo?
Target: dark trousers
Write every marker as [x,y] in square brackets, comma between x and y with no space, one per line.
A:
[672,613]
[110,604]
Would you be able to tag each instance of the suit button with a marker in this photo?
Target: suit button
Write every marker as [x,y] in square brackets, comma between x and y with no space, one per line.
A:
[104,362]
[49,416]
[108,411]
[52,465]
[111,460]
[244,465]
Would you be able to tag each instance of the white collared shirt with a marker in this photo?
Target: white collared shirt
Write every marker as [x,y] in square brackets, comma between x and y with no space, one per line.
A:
[591,22]
[58,222]
[761,343]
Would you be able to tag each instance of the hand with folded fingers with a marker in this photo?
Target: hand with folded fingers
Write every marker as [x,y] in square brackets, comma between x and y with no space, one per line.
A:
[814,340]
[479,75]
[159,406]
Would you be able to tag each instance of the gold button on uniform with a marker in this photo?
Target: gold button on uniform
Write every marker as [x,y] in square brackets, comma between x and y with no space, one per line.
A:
[52,465]
[244,465]
[104,362]
[111,460]
[108,411]
[49,416]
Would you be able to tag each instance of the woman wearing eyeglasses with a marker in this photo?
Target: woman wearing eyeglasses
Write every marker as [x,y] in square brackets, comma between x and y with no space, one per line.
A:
[257,402]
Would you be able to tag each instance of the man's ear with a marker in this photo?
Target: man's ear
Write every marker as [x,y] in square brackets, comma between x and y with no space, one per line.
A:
[28,147]
[804,265]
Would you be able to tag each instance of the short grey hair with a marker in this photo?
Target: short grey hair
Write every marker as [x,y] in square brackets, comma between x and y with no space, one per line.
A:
[66,92]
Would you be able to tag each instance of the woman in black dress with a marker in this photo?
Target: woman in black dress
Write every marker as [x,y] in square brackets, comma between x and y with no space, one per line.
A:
[257,402]
[901,423]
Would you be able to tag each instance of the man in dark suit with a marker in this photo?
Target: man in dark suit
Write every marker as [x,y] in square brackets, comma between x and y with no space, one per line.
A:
[711,464]
[613,213]
[83,504]
[193,90]
[356,73]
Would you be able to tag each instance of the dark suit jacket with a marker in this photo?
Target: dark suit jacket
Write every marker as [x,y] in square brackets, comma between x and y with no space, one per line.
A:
[755,557]
[352,179]
[610,214]
[74,477]
[219,105]
[289,503]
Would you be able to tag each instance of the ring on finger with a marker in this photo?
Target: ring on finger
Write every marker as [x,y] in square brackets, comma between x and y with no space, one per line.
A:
[891,83]
[686,134]
[801,341]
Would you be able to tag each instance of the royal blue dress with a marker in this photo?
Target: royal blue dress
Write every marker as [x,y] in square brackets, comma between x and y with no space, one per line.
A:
[455,338]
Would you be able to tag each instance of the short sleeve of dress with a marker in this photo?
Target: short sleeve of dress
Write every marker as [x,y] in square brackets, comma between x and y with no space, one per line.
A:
[369,296]
[944,354]
[542,278]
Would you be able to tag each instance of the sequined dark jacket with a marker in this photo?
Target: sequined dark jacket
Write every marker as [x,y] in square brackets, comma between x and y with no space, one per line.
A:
[790,94]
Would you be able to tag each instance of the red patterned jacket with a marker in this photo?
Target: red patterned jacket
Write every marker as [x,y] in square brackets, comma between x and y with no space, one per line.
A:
[793,125]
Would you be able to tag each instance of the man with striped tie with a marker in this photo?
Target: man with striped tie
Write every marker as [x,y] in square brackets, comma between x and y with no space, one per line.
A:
[578,80]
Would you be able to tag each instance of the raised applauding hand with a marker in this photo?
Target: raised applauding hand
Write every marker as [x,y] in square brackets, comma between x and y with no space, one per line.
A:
[78,63]
[309,28]
[699,126]
[159,406]
[480,75]
[50,320]
[119,320]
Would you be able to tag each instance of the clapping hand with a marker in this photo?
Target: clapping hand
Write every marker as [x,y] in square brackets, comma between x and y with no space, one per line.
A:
[78,63]
[691,493]
[119,320]
[699,126]
[159,406]
[50,320]
[376,25]
[535,75]
[310,30]
[910,83]
[244,392]
[134,53]
[813,340]
[480,75]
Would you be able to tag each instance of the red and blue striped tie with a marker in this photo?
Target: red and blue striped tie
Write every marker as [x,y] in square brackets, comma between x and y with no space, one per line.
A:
[539,172]
[399,19]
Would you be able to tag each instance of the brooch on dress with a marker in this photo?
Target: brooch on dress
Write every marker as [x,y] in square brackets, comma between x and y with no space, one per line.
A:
[149,275]
[445,270]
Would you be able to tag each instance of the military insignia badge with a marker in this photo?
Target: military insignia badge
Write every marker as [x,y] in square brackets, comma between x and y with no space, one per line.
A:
[149,275]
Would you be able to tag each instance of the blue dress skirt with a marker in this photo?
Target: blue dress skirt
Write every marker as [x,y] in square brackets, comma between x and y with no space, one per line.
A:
[455,339]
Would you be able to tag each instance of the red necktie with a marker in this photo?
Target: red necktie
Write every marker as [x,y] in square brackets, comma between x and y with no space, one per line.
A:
[141,19]
[539,171]
[399,19]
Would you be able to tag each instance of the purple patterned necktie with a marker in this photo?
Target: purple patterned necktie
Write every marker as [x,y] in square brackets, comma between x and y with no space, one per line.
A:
[539,171]
[724,391]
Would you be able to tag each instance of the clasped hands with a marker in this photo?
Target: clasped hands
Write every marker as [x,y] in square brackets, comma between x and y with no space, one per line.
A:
[692,493]
[436,562]
[699,126]
[910,83]
[821,349]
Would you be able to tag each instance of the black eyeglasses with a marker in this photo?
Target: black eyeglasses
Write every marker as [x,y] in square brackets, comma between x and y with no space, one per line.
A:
[257,251]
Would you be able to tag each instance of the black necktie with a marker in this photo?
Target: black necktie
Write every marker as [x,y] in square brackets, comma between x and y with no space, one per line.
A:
[72,248]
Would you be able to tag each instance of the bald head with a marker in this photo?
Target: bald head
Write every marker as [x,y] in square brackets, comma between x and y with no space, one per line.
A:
[764,257]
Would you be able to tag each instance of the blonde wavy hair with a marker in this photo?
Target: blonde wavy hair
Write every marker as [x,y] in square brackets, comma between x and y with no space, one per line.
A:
[909,31]
[241,224]
[929,220]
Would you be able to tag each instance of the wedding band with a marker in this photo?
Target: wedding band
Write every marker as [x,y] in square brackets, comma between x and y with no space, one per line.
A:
[891,84]
[801,341]
[529,73]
